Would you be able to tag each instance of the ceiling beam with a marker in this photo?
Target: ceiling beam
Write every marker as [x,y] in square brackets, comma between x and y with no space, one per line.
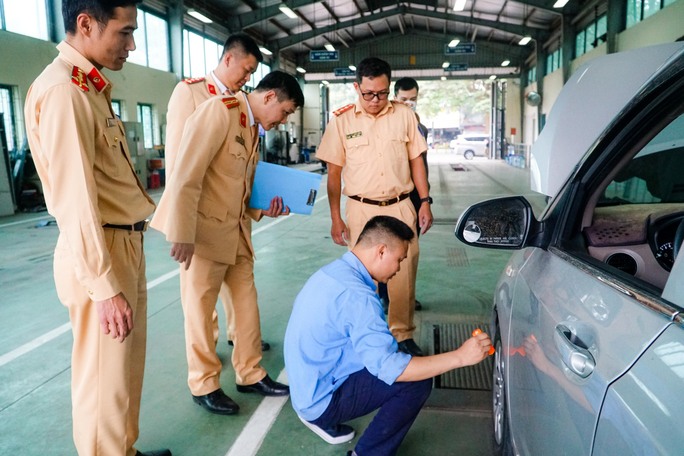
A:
[284,43]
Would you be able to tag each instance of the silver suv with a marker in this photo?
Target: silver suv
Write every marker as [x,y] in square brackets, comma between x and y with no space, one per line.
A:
[588,315]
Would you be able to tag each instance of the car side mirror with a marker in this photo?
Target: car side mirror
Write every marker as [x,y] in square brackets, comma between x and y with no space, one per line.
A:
[502,223]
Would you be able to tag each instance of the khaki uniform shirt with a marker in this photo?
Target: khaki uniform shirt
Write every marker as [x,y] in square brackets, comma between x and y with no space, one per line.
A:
[206,204]
[186,97]
[373,151]
[81,156]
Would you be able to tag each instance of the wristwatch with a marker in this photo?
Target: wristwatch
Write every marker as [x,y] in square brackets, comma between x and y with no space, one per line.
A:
[427,199]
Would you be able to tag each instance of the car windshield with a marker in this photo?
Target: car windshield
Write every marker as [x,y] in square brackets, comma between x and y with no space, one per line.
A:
[655,174]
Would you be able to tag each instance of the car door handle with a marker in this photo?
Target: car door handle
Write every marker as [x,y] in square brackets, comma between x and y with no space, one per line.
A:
[574,352]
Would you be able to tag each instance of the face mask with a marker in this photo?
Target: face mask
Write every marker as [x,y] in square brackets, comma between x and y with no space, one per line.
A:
[411,104]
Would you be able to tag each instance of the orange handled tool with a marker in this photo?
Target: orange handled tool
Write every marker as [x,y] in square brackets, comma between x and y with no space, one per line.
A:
[477,331]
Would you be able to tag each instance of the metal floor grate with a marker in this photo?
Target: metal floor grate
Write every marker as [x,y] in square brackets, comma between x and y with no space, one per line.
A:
[457,257]
[448,337]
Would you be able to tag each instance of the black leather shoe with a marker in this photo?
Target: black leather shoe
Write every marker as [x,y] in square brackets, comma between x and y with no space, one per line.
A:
[265,346]
[266,387]
[217,402]
[409,346]
[154,453]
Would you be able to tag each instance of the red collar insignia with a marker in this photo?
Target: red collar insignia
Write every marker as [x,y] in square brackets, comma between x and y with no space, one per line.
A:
[243,119]
[97,79]
[212,89]
[78,77]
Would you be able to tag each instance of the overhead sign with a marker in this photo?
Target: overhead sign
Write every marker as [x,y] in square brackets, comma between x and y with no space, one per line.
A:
[344,72]
[457,67]
[324,56]
[461,49]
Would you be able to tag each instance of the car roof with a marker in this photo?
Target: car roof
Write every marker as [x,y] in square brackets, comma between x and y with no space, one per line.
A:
[595,94]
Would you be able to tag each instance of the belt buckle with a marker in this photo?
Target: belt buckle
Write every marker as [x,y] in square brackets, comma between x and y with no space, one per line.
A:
[383,203]
[146,223]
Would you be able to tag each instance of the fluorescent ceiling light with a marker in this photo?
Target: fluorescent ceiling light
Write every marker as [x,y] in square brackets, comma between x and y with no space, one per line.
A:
[329,47]
[525,40]
[287,11]
[453,43]
[560,3]
[459,5]
[265,51]
[199,16]
[352,67]
[301,70]
[492,77]
[506,62]
[445,65]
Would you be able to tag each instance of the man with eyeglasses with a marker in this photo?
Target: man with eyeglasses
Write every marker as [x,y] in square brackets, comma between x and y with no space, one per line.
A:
[374,146]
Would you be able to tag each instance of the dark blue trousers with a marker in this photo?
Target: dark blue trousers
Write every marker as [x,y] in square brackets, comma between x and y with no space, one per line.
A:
[363,393]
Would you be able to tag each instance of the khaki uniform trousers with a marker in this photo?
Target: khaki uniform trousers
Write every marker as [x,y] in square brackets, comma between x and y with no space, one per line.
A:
[200,286]
[106,375]
[224,296]
[402,287]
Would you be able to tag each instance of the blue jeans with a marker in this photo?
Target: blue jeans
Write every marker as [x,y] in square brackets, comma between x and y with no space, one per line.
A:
[363,393]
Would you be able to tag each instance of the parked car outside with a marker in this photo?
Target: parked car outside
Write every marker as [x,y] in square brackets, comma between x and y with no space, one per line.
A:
[470,145]
[588,315]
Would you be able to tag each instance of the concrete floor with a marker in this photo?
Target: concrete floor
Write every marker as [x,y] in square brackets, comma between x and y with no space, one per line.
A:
[35,337]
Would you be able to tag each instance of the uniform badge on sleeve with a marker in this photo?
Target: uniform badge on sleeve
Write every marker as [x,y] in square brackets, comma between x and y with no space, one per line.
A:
[78,77]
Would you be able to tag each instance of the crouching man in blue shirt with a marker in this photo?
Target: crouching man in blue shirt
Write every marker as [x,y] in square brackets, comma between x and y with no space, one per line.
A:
[342,361]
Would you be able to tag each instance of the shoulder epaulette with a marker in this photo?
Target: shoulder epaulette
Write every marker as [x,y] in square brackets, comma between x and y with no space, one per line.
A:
[230,102]
[193,80]
[343,109]
[78,77]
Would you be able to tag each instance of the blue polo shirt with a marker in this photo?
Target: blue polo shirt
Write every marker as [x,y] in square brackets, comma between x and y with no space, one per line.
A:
[337,327]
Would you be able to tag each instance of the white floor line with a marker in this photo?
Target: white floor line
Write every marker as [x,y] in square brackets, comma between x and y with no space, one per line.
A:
[252,436]
[50,335]
[5,225]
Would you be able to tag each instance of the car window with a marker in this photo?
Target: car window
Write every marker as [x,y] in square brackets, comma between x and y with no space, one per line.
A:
[655,175]
[639,206]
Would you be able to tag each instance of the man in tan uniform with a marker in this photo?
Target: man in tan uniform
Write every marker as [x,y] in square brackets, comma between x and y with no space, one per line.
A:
[375,146]
[100,207]
[203,213]
[240,58]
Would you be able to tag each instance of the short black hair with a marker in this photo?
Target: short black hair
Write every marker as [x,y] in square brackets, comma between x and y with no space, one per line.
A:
[372,67]
[101,10]
[243,43]
[285,86]
[383,228]
[405,84]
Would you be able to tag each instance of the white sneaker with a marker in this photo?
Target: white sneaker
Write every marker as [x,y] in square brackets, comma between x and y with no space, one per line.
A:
[341,433]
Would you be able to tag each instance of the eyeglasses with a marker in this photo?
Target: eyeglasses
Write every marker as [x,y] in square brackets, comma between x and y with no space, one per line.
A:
[368,96]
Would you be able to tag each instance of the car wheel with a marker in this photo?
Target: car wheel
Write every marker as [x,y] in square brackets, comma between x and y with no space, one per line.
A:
[502,442]
[468,154]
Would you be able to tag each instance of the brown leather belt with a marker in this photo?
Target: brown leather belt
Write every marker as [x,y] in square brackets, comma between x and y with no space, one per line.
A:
[139,226]
[388,202]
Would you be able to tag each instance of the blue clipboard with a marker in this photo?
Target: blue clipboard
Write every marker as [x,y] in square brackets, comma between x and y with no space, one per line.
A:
[297,188]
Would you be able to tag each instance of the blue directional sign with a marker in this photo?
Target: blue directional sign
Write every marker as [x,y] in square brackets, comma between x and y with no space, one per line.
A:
[344,72]
[461,49]
[323,56]
[457,67]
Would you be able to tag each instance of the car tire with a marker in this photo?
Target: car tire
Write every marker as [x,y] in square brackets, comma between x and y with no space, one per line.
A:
[468,154]
[502,439]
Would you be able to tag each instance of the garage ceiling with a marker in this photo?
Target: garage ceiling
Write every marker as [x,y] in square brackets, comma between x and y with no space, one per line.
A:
[410,35]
